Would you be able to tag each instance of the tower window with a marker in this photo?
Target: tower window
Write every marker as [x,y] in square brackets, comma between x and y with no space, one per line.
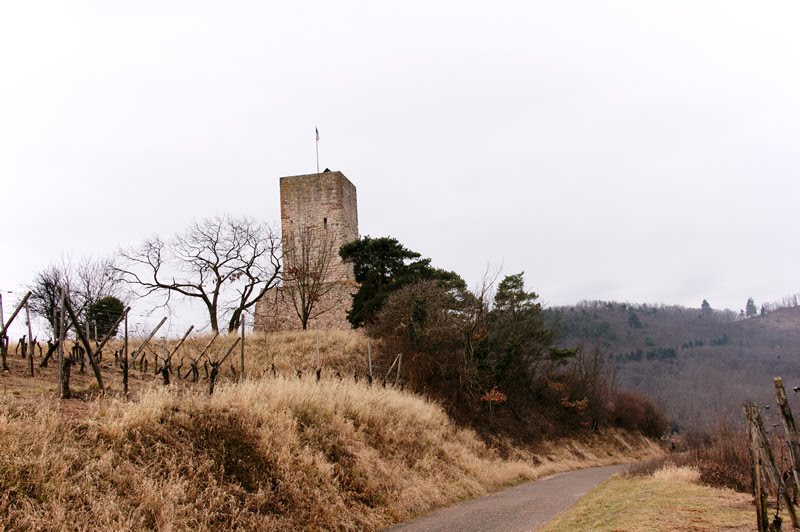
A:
[325,223]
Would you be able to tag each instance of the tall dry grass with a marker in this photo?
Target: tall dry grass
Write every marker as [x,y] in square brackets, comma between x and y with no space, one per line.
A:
[269,454]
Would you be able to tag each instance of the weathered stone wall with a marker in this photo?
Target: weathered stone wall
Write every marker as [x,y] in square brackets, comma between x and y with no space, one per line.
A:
[276,312]
[326,203]
[323,202]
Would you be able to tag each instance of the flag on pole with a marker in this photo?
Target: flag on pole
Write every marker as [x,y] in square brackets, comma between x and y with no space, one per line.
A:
[317,130]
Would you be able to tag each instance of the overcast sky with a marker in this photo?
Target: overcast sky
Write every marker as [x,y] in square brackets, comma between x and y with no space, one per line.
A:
[634,151]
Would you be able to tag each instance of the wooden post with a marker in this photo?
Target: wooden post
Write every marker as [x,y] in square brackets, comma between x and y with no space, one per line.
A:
[19,306]
[125,360]
[85,342]
[175,349]
[212,379]
[30,335]
[391,368]
[203,352]
[762,520]
[241,352]
[790,429]
[771,469]
[147,340]
[318,361]
[399,361]
[61,337]
[369,359]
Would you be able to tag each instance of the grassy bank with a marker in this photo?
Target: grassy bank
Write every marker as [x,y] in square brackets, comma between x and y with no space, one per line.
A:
[669,499]
[266,454]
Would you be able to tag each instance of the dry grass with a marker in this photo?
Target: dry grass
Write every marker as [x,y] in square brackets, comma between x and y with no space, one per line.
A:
[671,473]
[669,499]
[265,454]
[342,351]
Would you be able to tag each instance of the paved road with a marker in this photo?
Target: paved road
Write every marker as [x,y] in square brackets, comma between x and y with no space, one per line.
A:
[522,508]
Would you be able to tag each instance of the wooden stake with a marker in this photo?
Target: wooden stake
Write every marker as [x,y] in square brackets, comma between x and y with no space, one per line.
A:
[61,337]
[391,368]
[241,352]
[399,361]
[7,324]
[790,429]
[369,359]
[31,343]
[175,349]
[150,337]
[203,352]
[85,342]
[125,360]
[771,469]
[762,520]
[318,361]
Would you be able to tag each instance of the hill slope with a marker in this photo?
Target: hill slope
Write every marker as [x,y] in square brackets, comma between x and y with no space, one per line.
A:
[700,366]
[270,454]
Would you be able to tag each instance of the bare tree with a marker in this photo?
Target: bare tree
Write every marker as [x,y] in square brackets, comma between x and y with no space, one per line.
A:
[309,255]
[46,290]
[85,284]
[214,257]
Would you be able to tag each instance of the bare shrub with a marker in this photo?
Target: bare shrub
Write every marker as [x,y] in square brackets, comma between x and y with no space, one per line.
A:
[633,412]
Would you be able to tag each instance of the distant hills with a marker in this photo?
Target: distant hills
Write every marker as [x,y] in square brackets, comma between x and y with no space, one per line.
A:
[700,365]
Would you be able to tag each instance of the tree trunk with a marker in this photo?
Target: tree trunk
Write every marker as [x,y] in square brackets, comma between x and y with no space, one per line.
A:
[65,391]
[212,379]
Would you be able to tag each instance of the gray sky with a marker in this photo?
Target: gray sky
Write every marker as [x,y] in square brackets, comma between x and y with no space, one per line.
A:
[636,151]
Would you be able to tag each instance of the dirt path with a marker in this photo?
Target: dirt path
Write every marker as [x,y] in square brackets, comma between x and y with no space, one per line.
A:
[525,507]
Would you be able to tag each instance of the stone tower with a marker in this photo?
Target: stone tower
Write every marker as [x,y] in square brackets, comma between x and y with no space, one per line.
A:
[326,204]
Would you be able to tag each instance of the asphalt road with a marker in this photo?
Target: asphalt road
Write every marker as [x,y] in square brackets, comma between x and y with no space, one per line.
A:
[521,508]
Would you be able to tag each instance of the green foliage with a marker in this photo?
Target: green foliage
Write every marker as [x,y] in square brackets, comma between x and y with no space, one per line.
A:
[104,313]
[382,266]
[583,325]
[517,341]
[456,345]
[634,321]
[705,306]
[750,310]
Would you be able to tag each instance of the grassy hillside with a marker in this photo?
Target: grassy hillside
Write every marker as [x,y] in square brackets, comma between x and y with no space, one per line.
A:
[669,499]
[698,365]
[267,454]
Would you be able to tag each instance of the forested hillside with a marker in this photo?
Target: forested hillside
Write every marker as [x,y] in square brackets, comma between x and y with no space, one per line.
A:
[698,364]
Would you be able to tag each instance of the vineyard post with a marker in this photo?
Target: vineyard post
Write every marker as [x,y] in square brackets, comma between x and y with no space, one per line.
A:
[61,337]
[791,431]
[241,352]
[87,346]
[755,459]
[772,470]
[125,360]
[30,335]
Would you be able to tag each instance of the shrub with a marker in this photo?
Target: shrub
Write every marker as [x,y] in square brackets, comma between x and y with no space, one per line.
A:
[633,412]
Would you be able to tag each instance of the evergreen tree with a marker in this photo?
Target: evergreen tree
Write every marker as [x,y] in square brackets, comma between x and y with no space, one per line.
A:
[751,311]
[103,314]
[382,266]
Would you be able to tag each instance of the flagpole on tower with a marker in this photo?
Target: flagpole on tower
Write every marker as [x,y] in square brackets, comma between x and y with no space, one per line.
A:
[316,129]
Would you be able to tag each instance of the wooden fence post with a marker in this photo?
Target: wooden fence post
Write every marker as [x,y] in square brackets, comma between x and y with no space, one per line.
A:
[147,340]
[125,360]
[19,306]
[62,333]
[87,346]
[762,521]
[30,336]
[773,473]
[791,431]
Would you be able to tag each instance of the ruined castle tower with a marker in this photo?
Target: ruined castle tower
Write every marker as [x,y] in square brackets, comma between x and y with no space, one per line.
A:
[325,206]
